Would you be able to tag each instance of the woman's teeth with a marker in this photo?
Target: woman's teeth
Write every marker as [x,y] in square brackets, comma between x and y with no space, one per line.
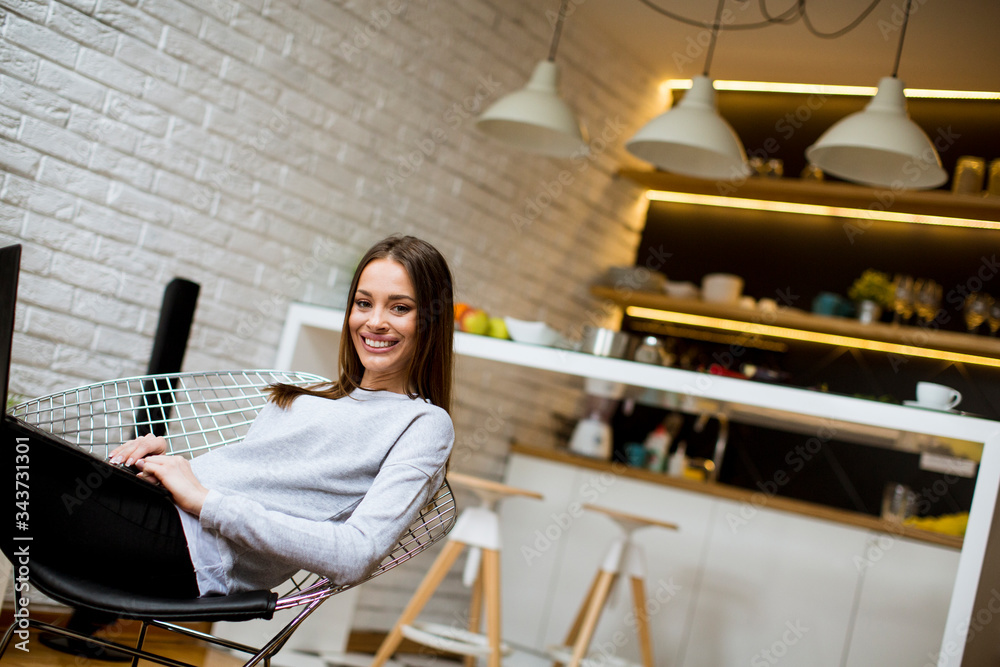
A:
[379,343]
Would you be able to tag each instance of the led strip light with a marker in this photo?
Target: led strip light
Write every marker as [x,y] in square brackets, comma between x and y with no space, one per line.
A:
[808,336]
[826,89]
[816,209]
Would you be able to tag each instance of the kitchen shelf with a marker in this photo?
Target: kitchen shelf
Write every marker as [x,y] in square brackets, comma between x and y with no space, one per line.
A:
[799,320]
[727,492]
[306,342]
[834,194]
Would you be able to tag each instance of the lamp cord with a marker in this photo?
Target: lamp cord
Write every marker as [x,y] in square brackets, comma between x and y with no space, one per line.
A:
[715,35]
[558,30]
[791,15]
[902,34]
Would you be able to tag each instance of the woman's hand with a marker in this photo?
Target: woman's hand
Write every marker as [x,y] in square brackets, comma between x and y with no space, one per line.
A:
[174,473]
[133,450]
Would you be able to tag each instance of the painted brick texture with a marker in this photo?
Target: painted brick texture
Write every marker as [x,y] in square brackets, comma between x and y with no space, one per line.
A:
[258,147]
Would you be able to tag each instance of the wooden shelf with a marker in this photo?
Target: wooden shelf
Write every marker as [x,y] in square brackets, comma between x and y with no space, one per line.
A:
[737,494]
[846,195]
[946,341]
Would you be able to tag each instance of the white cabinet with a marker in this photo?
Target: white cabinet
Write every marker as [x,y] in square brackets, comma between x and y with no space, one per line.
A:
[736,585]
[903,602]
[775,587]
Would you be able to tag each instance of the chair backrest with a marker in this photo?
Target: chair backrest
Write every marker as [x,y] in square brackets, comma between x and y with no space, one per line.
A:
[196,412]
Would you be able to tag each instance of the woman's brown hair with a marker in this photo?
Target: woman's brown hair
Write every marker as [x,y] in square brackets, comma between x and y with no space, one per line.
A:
[430,371]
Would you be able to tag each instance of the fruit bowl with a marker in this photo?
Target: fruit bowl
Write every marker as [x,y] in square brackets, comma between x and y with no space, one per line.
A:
[534,333]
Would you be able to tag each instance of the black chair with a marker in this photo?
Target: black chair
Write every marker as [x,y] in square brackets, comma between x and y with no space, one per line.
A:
[199,412]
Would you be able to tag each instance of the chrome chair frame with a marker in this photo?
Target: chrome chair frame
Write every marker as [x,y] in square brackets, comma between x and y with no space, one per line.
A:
[197,412]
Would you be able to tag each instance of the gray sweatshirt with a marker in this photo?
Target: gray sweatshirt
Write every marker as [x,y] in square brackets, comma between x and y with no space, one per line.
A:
[326,486]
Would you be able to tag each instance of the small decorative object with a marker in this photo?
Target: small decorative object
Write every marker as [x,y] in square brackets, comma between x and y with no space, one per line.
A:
[993,179]
[871,292]
[970,171]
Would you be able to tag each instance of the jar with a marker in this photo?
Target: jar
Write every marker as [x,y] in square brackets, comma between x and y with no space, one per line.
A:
[969,174]
[650,351]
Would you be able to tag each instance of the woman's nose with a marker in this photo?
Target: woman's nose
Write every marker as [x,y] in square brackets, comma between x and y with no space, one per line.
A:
[376,318]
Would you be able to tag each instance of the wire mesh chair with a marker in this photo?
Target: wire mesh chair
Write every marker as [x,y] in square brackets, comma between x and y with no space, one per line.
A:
[195,412]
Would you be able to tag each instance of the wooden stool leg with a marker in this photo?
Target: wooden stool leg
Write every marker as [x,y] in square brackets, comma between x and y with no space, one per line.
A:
[574,629]
[475,612]
[602,588]
[491,590]
[423,593]
[642,620]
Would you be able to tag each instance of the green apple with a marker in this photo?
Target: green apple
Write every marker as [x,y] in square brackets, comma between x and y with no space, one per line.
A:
[475,321]
[498,328]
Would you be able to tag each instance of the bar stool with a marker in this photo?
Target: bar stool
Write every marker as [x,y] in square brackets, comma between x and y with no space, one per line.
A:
[477,528]
[624,556]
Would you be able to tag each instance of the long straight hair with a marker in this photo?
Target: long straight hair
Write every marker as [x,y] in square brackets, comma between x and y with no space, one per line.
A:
[429,373]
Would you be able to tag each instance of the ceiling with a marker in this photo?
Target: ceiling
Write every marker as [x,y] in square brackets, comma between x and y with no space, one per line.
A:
[951,45]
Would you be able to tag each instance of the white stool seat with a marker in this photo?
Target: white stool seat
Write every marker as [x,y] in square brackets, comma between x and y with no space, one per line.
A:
[451,639]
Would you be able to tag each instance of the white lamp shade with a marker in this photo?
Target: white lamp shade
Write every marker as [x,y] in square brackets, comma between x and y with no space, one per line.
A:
[879,145]
[692,138]
[535,119]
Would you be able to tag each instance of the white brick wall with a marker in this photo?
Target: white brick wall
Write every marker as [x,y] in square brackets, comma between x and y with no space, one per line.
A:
[258,147]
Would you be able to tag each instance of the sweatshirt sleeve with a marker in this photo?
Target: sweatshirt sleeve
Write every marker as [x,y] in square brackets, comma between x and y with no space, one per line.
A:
[345,551]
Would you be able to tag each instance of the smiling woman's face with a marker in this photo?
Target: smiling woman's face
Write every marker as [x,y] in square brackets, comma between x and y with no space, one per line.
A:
[383,325]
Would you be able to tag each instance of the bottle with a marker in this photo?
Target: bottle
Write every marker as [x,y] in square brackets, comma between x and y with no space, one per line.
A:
[678,461]
[657,444]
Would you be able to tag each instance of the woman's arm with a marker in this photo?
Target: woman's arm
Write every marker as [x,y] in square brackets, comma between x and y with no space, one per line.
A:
[345,549]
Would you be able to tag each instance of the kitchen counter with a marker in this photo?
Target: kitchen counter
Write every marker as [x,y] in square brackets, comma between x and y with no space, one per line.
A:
[753,498]
[310,333]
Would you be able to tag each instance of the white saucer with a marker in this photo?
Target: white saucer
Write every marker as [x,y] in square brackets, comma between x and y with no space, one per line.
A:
[918,404]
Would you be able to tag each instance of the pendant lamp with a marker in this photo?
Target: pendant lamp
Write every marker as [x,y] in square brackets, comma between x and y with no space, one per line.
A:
[880,146]
[535,119]
[692,138]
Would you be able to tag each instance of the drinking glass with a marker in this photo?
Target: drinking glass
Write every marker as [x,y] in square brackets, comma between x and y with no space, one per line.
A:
[927,300]
[902,298]
[977,306]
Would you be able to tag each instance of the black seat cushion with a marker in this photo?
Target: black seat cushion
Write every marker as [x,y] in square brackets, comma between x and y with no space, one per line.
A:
[82,594]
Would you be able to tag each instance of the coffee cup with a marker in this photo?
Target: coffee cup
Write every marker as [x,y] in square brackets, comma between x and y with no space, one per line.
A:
[937,396]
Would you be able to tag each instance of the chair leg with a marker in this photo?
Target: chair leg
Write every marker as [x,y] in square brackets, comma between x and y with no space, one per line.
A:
[642,620]
[574,630]
[139,642]
[602,589]
[491,582]
[475,613]
[423,593]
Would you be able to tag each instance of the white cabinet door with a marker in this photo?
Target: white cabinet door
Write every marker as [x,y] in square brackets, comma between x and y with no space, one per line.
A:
[904,602]
[532,551]
[776,588]
[566,546]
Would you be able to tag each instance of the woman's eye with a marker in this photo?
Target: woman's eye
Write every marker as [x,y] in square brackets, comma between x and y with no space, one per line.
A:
[362,303]
[400,309]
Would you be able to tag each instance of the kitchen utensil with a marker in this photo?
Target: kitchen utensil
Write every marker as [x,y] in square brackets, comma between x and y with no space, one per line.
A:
[937,396]
[651,350]
[721,288]
[592,437]
[899,502]
[605,342]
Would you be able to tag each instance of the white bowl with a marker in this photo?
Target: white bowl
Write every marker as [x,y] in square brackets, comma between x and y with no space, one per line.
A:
[681,290]
[535,333]
[721,288]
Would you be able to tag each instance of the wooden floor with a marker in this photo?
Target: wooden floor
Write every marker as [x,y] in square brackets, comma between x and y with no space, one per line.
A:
[157,641]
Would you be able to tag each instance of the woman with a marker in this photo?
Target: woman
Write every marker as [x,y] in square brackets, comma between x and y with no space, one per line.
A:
[327,478]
